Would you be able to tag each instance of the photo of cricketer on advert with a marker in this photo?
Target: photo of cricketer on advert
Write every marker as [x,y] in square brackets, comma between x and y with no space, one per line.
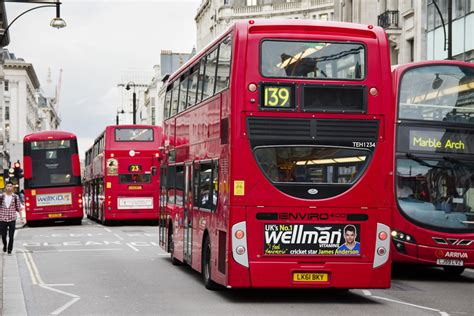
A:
[351,246]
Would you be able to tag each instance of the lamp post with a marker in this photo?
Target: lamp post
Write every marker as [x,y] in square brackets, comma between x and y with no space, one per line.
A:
[117,116]
[448,41]
[56,22]
[134,100]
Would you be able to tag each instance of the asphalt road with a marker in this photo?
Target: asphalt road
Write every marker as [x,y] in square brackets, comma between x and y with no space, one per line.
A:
[121,270]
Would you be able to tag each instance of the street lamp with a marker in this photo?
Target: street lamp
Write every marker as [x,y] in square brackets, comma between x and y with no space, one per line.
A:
[448,41]
[117,116]
[57,22]
[134,100]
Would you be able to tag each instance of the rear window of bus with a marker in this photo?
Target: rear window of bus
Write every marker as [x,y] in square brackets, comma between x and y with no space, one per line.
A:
[313,60]
[133,135]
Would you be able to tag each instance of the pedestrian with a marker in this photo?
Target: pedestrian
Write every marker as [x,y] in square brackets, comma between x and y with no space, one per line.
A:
[9,206]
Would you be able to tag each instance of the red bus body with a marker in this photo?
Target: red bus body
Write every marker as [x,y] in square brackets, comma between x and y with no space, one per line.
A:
[121,176]
[256,231]
[434,221]
[52,175]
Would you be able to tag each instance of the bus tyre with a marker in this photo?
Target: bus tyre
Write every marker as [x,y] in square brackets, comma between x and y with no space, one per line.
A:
[174,261]
[453,270]
[206,266]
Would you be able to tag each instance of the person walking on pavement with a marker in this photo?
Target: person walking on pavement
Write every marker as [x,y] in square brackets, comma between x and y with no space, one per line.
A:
[9,206]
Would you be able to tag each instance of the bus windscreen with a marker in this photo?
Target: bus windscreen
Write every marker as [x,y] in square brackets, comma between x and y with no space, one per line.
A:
[51,163]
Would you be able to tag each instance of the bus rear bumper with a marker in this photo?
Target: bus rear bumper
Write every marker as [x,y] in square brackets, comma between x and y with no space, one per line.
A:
[132,215]
[342,275]
[54,215]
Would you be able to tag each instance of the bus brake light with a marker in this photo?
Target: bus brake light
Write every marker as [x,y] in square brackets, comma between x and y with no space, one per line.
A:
[383,235]
[239,234]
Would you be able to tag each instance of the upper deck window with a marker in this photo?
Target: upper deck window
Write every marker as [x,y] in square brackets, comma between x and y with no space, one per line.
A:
[50,144]
[313,60]
[133,135]
[441,93]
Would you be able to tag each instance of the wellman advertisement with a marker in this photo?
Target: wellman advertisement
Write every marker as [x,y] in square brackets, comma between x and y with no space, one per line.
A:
[307,239]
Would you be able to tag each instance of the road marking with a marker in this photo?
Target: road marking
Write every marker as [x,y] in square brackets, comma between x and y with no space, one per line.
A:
[34,273]
[69,250]
[132,247]
[367,293]
[36,279]
[61,309]
[107,230]
[118,236]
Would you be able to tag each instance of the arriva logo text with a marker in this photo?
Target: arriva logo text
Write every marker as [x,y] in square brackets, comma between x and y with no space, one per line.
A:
[452,254]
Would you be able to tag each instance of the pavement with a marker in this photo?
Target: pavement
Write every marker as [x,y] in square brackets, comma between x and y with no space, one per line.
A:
[12,300]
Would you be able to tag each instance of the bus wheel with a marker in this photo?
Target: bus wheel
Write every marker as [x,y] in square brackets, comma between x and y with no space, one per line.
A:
[174,261]
[206,266]
[453,270]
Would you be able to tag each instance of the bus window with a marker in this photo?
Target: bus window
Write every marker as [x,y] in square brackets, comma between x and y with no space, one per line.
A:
[183,96]
[317,60]
[175,98]
[210,74]
[193,86]
[223,69]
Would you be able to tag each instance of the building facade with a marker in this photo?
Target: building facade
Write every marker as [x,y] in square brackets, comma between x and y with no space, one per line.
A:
[462,26]
[214,16]
[403,20]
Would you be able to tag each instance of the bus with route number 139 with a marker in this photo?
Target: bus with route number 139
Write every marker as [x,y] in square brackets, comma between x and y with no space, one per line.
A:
[278,165]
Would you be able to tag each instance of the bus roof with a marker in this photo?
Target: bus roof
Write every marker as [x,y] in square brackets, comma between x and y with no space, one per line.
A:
[48,135]
[402,67]
[277,25]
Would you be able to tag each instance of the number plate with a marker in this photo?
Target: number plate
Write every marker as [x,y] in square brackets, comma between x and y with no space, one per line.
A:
[55,215]
[450,262]
[134,187]
[310,277]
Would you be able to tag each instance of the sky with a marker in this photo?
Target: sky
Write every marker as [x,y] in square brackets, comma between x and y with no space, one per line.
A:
[103,40]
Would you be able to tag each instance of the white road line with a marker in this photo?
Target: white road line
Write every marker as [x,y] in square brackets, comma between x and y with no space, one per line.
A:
[367,293]
[61,309]
[107,230]
[118,236]
[134,248]
[72,250]
[64,284]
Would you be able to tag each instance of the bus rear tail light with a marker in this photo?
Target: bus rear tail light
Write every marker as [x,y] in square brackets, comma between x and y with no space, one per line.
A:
[239,234]
[383,235]
[239,244]
[27,204]
[79,201]
[382,246]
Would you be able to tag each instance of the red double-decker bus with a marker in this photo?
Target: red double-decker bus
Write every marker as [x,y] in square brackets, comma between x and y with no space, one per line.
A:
[278,157]
[121,174]
[434,224]
[52,177]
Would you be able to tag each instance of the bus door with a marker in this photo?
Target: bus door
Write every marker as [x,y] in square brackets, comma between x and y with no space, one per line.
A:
[188,208]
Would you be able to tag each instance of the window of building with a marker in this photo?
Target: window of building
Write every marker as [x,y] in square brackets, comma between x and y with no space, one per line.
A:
[411,46]
[323,17]
[6,85]
[251,2]
[7,113]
